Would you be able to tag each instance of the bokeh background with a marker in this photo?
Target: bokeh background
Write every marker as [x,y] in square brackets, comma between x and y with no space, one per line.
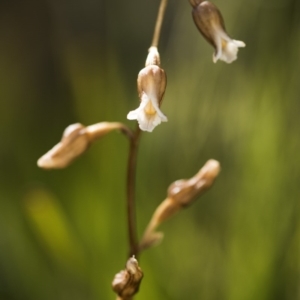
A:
[63,233]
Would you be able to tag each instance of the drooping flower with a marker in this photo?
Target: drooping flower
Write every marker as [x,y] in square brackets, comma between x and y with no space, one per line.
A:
[151,84]
[75,141]
[181,194]
[210,23]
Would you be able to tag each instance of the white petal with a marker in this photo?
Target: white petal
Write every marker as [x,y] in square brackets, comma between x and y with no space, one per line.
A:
[240,44]
[229,53]
[132,115]
[218,53]
[147,121]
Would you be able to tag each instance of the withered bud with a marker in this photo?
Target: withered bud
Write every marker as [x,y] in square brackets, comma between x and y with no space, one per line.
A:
[153,57]
[127,282]
[210,23]
[151,83]
[75,141]
[181,193]
[184,192]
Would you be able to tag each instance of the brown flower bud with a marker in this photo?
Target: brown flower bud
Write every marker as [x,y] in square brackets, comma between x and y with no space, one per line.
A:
[210,23]
[127,282]
[184,192]
[152,82]
[75,141]
[181,193]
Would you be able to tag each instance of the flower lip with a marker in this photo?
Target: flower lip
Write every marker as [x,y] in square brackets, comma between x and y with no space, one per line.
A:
[148,114]
[226,49]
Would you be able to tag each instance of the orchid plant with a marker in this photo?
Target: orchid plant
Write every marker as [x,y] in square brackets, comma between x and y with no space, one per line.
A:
[151,85]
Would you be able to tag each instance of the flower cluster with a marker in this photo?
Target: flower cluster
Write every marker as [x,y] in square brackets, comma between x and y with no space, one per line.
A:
[152,79]
[151,86]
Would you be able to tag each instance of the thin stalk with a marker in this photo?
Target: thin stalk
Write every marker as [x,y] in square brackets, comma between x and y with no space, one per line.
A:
[131,171]
[158,24]
[134,141]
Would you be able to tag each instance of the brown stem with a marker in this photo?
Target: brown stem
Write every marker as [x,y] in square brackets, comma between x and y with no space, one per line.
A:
[99,129]
[159,20]
[131,171]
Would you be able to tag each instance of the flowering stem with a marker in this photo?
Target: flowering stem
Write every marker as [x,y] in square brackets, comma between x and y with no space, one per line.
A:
[159,20]
[131,170]
[134,141]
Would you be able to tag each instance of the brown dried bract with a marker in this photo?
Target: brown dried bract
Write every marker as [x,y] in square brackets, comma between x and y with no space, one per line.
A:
[127,282]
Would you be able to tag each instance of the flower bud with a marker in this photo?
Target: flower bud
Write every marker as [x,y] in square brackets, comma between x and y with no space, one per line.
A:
[151,84]
[75,141]
[210,23]
[184,192]
[127,282]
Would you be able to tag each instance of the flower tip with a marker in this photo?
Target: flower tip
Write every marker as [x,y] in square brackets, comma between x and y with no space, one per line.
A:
[213,167]
[48,161]
[148,124]
[44,163]
[132,115]
[240,44]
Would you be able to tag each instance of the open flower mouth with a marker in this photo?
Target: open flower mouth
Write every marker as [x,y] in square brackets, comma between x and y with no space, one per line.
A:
[149,109]
[147,114]
[226,49]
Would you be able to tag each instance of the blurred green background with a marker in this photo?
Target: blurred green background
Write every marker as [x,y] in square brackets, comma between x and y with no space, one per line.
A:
[63,234]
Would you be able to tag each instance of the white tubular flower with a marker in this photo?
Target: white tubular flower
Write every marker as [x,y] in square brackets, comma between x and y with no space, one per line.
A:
[151,84]
[210,23]
[226,48]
